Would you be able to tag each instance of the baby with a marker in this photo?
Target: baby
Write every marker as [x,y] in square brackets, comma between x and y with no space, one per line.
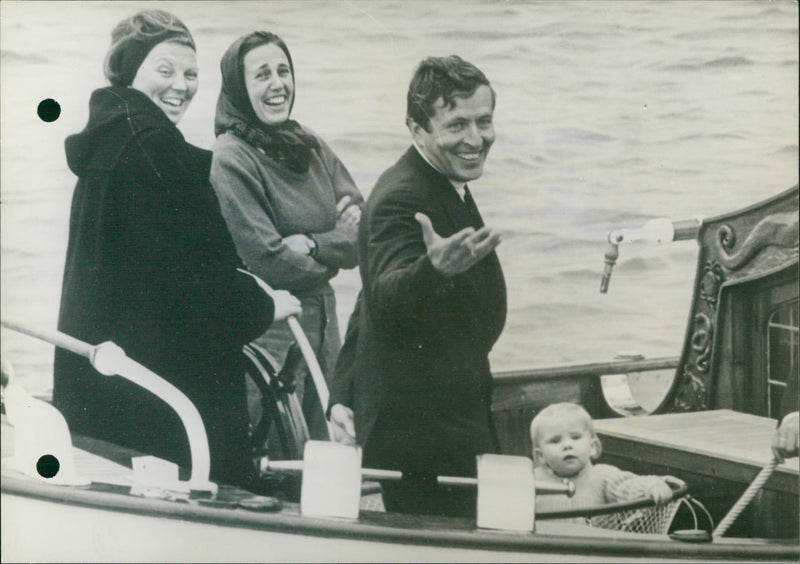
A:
[564,446]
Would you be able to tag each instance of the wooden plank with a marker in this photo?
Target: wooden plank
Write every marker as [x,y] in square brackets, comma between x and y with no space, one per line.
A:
[534,395]
[591,370]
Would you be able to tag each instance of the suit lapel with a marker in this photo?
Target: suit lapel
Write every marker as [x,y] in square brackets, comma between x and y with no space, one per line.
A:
[443,192]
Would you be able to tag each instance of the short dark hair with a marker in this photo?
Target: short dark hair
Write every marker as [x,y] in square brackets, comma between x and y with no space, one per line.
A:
[442,77]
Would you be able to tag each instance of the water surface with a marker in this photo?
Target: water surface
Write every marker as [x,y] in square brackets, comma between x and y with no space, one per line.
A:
[608,114]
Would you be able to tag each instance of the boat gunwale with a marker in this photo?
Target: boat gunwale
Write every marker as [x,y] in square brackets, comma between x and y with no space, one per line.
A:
[588,370]
[369,528]
[747,209]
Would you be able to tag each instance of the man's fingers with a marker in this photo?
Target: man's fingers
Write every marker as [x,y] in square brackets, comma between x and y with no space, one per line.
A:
[346,426]
[484,234]
[458,252]
[343,424]
[342,436]
[483,242]
[342,204]
[461,238]
[349,427]
[352,213]
[428,233]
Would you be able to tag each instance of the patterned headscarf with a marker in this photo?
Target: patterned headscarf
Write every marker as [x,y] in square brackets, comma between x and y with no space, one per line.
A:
[287,142]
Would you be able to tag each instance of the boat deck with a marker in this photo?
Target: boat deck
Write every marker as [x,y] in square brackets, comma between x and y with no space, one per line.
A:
[723,443]
[718,454]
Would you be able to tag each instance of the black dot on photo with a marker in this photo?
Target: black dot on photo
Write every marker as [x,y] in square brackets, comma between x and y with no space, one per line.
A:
[47,466]
[48,110]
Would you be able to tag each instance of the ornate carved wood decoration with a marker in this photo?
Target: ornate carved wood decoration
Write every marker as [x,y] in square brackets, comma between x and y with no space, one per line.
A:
[746,245]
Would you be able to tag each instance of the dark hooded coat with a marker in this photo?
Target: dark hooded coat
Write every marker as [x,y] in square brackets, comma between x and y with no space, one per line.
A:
[151,266]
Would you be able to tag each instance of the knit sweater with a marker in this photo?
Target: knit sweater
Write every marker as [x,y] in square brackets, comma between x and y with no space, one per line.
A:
[595,485]
[263,201]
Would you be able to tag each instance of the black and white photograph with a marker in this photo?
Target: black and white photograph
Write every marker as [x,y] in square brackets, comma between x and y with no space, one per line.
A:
[399,281]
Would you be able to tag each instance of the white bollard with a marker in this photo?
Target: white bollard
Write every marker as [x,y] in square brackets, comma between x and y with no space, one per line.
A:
[506,492]
[332,477]
[331,480]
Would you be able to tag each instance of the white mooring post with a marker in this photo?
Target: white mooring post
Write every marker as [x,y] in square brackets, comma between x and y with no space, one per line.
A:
[331,480]
[506,492]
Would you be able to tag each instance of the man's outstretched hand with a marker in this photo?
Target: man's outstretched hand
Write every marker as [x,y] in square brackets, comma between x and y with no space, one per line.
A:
[459,252]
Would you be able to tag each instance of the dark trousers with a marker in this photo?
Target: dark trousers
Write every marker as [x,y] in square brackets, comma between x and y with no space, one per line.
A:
[420,494]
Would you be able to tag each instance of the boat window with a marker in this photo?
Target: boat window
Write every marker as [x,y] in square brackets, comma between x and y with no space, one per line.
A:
[783,350]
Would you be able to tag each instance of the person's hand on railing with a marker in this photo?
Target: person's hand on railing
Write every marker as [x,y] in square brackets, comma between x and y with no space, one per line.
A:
[661,495]
[286,305]
[660,491]
[786,442]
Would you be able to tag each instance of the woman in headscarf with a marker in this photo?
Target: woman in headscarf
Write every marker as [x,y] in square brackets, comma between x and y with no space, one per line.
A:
[150,264]
[289,202]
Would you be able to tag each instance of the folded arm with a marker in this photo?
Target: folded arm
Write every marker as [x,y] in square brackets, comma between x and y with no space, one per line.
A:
[246,211]
[338,248]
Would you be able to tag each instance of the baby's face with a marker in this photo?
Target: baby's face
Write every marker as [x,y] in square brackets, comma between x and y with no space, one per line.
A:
[564,445]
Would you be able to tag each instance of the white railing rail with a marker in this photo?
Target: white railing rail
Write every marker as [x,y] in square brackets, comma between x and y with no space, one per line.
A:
[109,359]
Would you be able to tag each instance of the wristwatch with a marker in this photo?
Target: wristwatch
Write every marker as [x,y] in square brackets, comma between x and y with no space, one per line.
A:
[312,246]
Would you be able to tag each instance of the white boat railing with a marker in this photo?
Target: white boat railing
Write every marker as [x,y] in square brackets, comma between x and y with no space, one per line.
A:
[109,359]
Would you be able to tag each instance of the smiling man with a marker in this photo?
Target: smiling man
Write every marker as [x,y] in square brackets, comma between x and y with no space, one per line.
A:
[413,384]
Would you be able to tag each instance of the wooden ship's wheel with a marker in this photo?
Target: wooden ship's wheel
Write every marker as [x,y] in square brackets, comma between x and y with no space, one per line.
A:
[277,426]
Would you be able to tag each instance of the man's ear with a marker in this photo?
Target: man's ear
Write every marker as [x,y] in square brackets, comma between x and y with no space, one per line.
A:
[596,448]
[413,127]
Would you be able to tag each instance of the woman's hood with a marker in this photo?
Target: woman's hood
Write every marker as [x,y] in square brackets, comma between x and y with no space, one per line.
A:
[116,114]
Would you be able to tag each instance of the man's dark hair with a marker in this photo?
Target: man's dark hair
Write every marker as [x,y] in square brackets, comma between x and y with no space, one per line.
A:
[441,77]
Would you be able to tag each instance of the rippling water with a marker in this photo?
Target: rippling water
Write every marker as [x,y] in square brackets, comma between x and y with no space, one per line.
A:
[608,114]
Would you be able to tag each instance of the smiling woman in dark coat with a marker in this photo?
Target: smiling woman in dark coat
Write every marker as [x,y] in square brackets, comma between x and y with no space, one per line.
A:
[150,264]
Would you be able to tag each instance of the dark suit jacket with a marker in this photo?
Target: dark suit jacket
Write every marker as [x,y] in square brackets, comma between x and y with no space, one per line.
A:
[415,366]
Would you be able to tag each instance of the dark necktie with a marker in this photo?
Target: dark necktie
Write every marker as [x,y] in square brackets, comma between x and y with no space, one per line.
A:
[472,209]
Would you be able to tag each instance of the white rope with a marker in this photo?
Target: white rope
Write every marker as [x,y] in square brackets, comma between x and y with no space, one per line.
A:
[746,498]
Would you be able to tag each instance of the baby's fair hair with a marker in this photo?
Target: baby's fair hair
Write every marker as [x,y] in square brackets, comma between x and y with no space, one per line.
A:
[557,411]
